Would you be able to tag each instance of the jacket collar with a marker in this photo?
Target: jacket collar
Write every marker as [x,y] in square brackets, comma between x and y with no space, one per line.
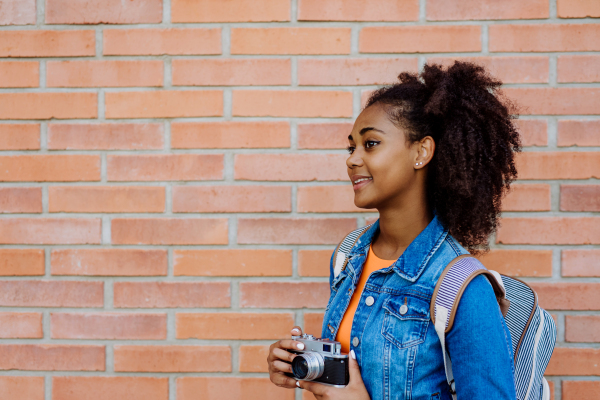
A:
[412,262]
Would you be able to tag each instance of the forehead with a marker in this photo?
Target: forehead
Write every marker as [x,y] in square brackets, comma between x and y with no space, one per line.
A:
[374,116]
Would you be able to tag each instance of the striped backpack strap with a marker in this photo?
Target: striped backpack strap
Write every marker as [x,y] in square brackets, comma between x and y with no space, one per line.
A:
[448,291]
[343,249]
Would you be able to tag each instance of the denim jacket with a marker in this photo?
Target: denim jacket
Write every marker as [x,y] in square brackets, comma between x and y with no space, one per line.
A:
[397,348]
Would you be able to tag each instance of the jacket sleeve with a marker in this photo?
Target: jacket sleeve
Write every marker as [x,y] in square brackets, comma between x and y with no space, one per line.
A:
[331,261]
[480,347]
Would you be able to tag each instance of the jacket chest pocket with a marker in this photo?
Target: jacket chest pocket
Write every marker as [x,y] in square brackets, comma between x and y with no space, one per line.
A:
[406,320]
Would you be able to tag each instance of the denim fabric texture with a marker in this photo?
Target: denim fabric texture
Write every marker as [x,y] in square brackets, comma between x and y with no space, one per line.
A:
[397,348]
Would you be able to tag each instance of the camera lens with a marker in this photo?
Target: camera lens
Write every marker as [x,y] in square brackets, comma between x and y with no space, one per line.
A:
[308,366]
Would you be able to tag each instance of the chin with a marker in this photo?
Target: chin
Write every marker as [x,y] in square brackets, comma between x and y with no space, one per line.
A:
[364,203]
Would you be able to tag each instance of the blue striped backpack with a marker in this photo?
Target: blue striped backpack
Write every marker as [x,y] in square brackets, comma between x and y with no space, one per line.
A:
[532,329]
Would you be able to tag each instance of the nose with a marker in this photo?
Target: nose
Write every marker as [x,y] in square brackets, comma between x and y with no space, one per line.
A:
[354,160]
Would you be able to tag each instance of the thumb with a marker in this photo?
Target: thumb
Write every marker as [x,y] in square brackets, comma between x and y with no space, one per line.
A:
[354,369]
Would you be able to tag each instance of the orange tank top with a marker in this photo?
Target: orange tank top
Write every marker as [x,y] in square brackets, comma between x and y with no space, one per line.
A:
[373,263]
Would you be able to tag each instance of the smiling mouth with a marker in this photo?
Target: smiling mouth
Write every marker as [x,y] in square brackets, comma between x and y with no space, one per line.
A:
[358,183]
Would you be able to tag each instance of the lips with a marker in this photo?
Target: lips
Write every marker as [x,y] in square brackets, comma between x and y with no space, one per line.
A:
[359,181]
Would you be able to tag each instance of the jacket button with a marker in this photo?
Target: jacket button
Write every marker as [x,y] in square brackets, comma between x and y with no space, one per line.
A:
[369,301]
[355,341]
[403,309]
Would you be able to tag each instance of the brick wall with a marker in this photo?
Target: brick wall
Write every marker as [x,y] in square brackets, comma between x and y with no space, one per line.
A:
[173,179]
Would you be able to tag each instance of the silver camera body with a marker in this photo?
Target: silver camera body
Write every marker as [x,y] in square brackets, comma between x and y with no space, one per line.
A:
[321,361]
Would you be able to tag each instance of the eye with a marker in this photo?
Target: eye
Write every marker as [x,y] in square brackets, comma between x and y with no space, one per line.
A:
[350,149]
[371,143]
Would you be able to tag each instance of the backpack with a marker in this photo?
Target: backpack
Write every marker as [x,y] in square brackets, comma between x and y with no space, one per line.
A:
[532,329]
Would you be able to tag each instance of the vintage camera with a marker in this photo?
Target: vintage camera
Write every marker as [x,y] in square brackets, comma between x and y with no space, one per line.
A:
[321,361]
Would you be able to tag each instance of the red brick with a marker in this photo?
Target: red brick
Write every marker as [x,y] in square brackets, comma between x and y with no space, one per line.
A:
[109,388]
[103,73]
[290,40]
[49,43]
[507,69]
[232,262]
[51,357]
[582,328]
[230,388]
[578,9]
[456,10]
[568,296]
[106,199]
[357,71]
[230,11]
[291,167]
[324,136]
[19,136]
[294,230]
[292,103]
[544,37]
[358,10]
[20,200]
[527,198]
[230,135]
[168,167]
[580,390]
[186,41]
[236,72]
[556,101]
[580,198]
[578,68]
[172,358]
[420,39]
[578,133]
[15,325]
[558,165]
[581,263]
[549,230]
[29,293]
[22,387]
[326,199]
[50,231]
[103,11]
[534,132]
[48,105]
[254,358]
[109,262]
[573,361]
[314,262]
[313,323]
[49,168]
[105,136]
[112,326]
[18,12]
[236,326]
[171,294]
[21,262]
[519,262]
[164,104]
[164,231]
[284,294]
[232,199]
[19,74]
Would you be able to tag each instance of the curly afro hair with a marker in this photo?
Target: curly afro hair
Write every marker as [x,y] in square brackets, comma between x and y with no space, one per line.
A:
[462,109]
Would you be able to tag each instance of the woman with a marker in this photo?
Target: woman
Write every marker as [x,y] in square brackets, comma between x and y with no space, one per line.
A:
[434,154]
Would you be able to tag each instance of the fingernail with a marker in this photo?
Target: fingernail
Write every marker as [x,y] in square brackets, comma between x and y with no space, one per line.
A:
[300,346]
[295,330]
[298,383]
[353,354]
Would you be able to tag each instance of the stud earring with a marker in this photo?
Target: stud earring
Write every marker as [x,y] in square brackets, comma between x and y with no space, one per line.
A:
[420,163]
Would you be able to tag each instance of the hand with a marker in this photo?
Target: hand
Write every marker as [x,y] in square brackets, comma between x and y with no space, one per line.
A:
[355,390]
[280,359]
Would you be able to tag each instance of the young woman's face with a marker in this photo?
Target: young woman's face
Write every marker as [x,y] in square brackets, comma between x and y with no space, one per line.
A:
[381,164]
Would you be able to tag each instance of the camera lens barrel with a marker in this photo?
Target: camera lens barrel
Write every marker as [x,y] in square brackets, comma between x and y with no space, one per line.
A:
[308,366]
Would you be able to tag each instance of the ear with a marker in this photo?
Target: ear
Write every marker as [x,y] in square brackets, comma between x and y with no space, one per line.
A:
[424,149]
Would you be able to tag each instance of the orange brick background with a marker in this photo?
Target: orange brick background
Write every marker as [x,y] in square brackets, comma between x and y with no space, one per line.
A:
[172,179]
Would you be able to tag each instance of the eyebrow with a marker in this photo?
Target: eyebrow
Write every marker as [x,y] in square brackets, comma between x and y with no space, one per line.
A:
[364,130]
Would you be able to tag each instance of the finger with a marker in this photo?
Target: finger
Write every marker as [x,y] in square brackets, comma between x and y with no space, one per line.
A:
[291,344]
[282,366]
[296,331]
[280,354]
[282,380]
[354,370]
[315,388]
